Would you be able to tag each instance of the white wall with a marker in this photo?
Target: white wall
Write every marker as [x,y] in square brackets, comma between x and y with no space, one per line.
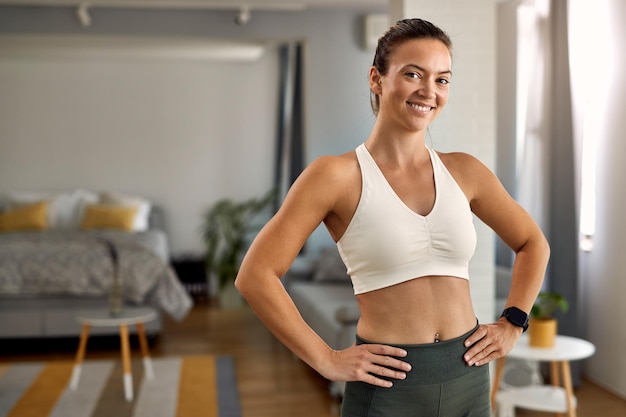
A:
[180,133]
[604,269]
[468,122]
[212,125]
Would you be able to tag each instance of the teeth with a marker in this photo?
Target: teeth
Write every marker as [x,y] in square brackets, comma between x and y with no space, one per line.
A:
[420,108]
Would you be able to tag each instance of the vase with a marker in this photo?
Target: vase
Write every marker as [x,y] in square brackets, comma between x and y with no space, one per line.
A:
[115,298]
[542,332]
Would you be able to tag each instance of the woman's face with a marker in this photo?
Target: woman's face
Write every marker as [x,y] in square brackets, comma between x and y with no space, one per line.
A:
[415,88]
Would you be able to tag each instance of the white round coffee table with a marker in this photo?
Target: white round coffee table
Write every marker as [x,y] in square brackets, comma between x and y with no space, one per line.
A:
[129,316]
[551,398]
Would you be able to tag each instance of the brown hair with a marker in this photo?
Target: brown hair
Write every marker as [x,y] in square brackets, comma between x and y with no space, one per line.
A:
[403,30]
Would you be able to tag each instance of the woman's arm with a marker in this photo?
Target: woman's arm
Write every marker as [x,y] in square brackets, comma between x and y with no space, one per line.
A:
[495,207]
[310,200]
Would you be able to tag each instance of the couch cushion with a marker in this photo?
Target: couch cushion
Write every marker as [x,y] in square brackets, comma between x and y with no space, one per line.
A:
[65,210]
[27,217]
[109,217]
[329,267]
[348,314]
[141,221]
[319,303]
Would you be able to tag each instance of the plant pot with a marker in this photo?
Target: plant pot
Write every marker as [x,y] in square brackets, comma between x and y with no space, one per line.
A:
[542,332]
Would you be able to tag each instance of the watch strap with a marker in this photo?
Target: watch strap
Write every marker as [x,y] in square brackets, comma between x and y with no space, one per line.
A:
[516,317]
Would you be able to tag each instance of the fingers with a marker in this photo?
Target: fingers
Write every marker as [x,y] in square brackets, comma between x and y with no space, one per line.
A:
[489,342]
[383,362]
[479,334]
[376,362]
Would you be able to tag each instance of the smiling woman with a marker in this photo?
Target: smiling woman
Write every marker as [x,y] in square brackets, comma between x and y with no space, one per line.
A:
[402,216]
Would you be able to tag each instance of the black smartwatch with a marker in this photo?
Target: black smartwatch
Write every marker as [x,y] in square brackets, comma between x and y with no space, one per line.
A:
[516,316]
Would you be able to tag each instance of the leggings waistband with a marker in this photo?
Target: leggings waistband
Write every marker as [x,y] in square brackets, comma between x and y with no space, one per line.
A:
[433,363]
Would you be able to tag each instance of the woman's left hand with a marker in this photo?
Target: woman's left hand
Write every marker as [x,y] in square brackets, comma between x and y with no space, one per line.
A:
[490,342]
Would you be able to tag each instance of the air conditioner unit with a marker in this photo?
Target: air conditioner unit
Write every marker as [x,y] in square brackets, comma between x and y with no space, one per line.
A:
[375,25]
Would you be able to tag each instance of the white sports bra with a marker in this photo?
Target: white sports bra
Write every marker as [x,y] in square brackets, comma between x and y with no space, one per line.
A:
[387,243]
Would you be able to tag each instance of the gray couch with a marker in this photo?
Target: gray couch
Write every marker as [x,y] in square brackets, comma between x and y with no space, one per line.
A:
[322,291]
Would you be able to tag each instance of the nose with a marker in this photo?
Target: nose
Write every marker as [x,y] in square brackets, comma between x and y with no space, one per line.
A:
[426,89]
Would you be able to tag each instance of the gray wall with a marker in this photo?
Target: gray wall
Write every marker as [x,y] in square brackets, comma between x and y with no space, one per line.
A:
[182,134]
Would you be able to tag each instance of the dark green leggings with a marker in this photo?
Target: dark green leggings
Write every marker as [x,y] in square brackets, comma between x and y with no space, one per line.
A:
[439,384]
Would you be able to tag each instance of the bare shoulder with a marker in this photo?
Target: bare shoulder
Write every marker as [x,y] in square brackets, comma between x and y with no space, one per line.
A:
[461,162]
[468,171]
[332,171]
[324,182]
[336,164]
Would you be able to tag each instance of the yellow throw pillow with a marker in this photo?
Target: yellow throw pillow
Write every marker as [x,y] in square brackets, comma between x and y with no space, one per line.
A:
[26,217]
[99,216]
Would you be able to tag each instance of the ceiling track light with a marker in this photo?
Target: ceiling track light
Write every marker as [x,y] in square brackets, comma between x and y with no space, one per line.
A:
[83,16]
[243,16]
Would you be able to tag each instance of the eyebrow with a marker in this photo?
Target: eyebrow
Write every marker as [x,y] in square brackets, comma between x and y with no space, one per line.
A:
[425,70]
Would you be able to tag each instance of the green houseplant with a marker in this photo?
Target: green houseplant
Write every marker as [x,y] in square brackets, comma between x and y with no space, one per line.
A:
[225,228]
[543,323]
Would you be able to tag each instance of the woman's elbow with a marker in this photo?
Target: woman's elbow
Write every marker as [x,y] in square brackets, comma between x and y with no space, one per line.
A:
[543,247]
[242,284]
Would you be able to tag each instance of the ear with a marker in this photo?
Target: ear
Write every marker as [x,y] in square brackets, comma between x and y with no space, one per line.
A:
[375,80]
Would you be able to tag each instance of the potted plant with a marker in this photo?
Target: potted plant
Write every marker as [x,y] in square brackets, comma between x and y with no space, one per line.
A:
[543,324]
[225,230]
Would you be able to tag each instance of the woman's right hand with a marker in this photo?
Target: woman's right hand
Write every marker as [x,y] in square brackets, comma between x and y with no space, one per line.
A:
[367,363]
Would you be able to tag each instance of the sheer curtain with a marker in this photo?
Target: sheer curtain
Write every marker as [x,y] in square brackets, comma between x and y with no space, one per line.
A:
[545,149]
[534,109]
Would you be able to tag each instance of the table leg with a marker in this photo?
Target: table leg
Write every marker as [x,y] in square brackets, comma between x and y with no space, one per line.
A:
[555,375]
[500,362]
[569,391]
[143,342]
[128,377]
[555,379]
[80,356]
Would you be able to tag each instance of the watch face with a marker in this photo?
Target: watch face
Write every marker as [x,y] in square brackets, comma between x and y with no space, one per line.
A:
[517,316]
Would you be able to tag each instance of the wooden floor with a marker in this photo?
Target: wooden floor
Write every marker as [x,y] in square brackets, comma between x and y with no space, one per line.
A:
[272,382]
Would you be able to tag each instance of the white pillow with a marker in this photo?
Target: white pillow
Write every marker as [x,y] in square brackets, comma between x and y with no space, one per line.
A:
[141,222]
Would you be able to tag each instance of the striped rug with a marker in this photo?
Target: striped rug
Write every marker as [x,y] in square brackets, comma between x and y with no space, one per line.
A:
[189,386]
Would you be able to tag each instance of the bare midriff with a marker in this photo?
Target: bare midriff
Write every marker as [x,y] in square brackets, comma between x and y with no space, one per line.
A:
[417,311]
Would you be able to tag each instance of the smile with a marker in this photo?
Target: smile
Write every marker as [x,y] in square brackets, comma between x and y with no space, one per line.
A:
[420,108]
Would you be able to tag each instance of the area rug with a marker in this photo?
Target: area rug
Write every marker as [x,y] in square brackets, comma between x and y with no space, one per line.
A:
[188,386]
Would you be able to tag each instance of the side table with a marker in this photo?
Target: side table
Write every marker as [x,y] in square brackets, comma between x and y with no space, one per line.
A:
[547,398]
[129,316]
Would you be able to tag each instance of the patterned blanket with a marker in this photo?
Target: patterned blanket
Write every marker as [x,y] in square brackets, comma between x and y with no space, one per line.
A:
[80,263]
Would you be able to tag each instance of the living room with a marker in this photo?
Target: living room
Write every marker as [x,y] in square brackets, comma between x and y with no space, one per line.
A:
[184,132]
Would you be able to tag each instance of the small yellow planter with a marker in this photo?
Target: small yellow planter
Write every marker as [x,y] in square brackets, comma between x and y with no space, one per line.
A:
[542,332]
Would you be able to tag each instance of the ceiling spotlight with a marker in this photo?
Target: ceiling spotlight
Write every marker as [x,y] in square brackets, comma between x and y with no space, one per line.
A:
[82,13]
[243,16]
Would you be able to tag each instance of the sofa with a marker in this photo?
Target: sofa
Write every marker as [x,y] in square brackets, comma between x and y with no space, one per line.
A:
[322,291]
[59,252]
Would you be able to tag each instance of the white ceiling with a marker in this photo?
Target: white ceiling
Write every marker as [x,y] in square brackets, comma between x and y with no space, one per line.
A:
[207,4]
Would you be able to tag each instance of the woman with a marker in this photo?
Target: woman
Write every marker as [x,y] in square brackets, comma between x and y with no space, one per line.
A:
[401,215]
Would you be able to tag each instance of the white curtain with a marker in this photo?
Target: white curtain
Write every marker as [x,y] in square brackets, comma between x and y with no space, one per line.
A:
[591,65]
[534,107]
